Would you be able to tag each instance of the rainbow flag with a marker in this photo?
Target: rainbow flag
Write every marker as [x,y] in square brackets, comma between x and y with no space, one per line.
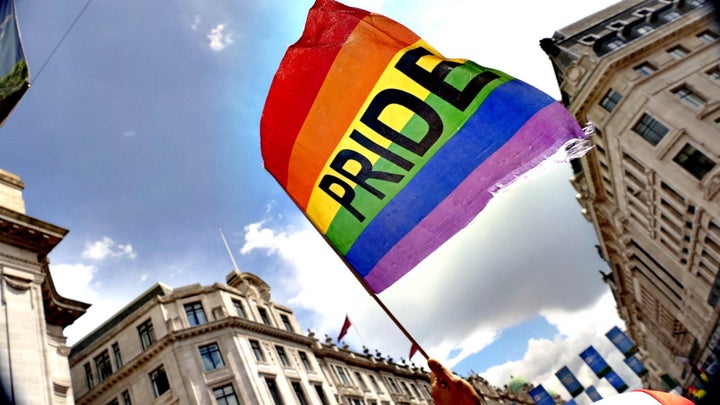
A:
[388,147]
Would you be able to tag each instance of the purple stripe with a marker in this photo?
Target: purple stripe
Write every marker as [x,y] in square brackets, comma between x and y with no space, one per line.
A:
[541,136]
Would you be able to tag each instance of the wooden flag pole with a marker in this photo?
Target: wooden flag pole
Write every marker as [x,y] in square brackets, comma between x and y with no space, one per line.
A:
[367,288]
[383,306]
[397,322]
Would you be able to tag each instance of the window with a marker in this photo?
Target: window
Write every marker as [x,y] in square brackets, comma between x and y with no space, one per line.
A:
[239,308]
[147,334]
[694,161]
[264,316]
[375,384]
[299,393]
[211,357]
[613,44]
[361,380]
[305,361]
[159,381]
[114,402]
[274,391]
[257,350]
[282,356]
[405,387]
[678,52]
[415,390]
[225,395]
[708,36]
[126,398]
[341,375]
[645,69]
[672,15]
[714,295]
[643,29]
[714,73]
[286,322]
[195,314]
[103,366]
[650,129]
[321,394]
[611,100]
[393,386]
[89,376]
[688,97]
[117,355]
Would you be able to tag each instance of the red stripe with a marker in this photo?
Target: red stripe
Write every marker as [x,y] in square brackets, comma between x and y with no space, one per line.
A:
[289,100]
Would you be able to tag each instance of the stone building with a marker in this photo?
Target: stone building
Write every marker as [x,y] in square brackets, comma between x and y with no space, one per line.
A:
[228,344]
[646,73]
[33,354]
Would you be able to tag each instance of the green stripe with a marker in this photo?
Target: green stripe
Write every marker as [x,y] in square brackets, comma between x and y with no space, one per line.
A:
[345,228]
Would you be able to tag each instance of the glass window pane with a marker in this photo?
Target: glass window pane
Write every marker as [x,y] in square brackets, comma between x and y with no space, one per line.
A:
[611,100]
[225,395]
[650,129]
[195,314]
[694,161]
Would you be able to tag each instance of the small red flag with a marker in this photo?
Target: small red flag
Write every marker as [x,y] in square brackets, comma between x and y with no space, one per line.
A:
[345,327]
[413,350]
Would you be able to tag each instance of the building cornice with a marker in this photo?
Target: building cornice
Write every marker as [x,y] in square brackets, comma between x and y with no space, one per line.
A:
[28,233]
[59,311]
[369,361]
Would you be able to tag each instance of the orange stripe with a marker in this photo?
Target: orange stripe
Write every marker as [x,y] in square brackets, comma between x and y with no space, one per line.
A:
[359,64]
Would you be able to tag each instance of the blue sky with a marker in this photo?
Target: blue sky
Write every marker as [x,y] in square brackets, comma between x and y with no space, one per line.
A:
[140,135]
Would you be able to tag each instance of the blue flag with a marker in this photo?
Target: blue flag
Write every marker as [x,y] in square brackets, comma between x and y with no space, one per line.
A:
[636,365]
[13,67]
[622,341]
[615,380]
[593,394]
[595,361]
[541,396]
[568,380]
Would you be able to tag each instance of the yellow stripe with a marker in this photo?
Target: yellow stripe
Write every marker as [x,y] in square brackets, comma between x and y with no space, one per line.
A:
[322,208]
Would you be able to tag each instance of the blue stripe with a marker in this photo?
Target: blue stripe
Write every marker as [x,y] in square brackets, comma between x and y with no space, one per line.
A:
[499,117]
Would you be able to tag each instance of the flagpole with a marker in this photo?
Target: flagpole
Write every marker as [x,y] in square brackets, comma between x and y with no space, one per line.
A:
[232,258]
[359,335]
[363,283]
[383,306]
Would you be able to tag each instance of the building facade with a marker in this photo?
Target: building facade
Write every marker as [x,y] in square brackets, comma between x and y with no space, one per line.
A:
[228,344]
[646,73]
[33,352]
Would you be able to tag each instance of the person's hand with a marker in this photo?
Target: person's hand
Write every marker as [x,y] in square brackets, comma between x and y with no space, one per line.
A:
[449,389]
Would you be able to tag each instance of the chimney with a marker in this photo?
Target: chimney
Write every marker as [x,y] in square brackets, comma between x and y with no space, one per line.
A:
[11,188]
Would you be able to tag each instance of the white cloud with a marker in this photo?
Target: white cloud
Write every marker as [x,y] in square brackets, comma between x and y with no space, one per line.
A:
[577,330]
[74,280]
[129,133]
[313,266]
[79,282]
[219,38]
[107,248]
[529,252]
[453,27]
[196,22]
